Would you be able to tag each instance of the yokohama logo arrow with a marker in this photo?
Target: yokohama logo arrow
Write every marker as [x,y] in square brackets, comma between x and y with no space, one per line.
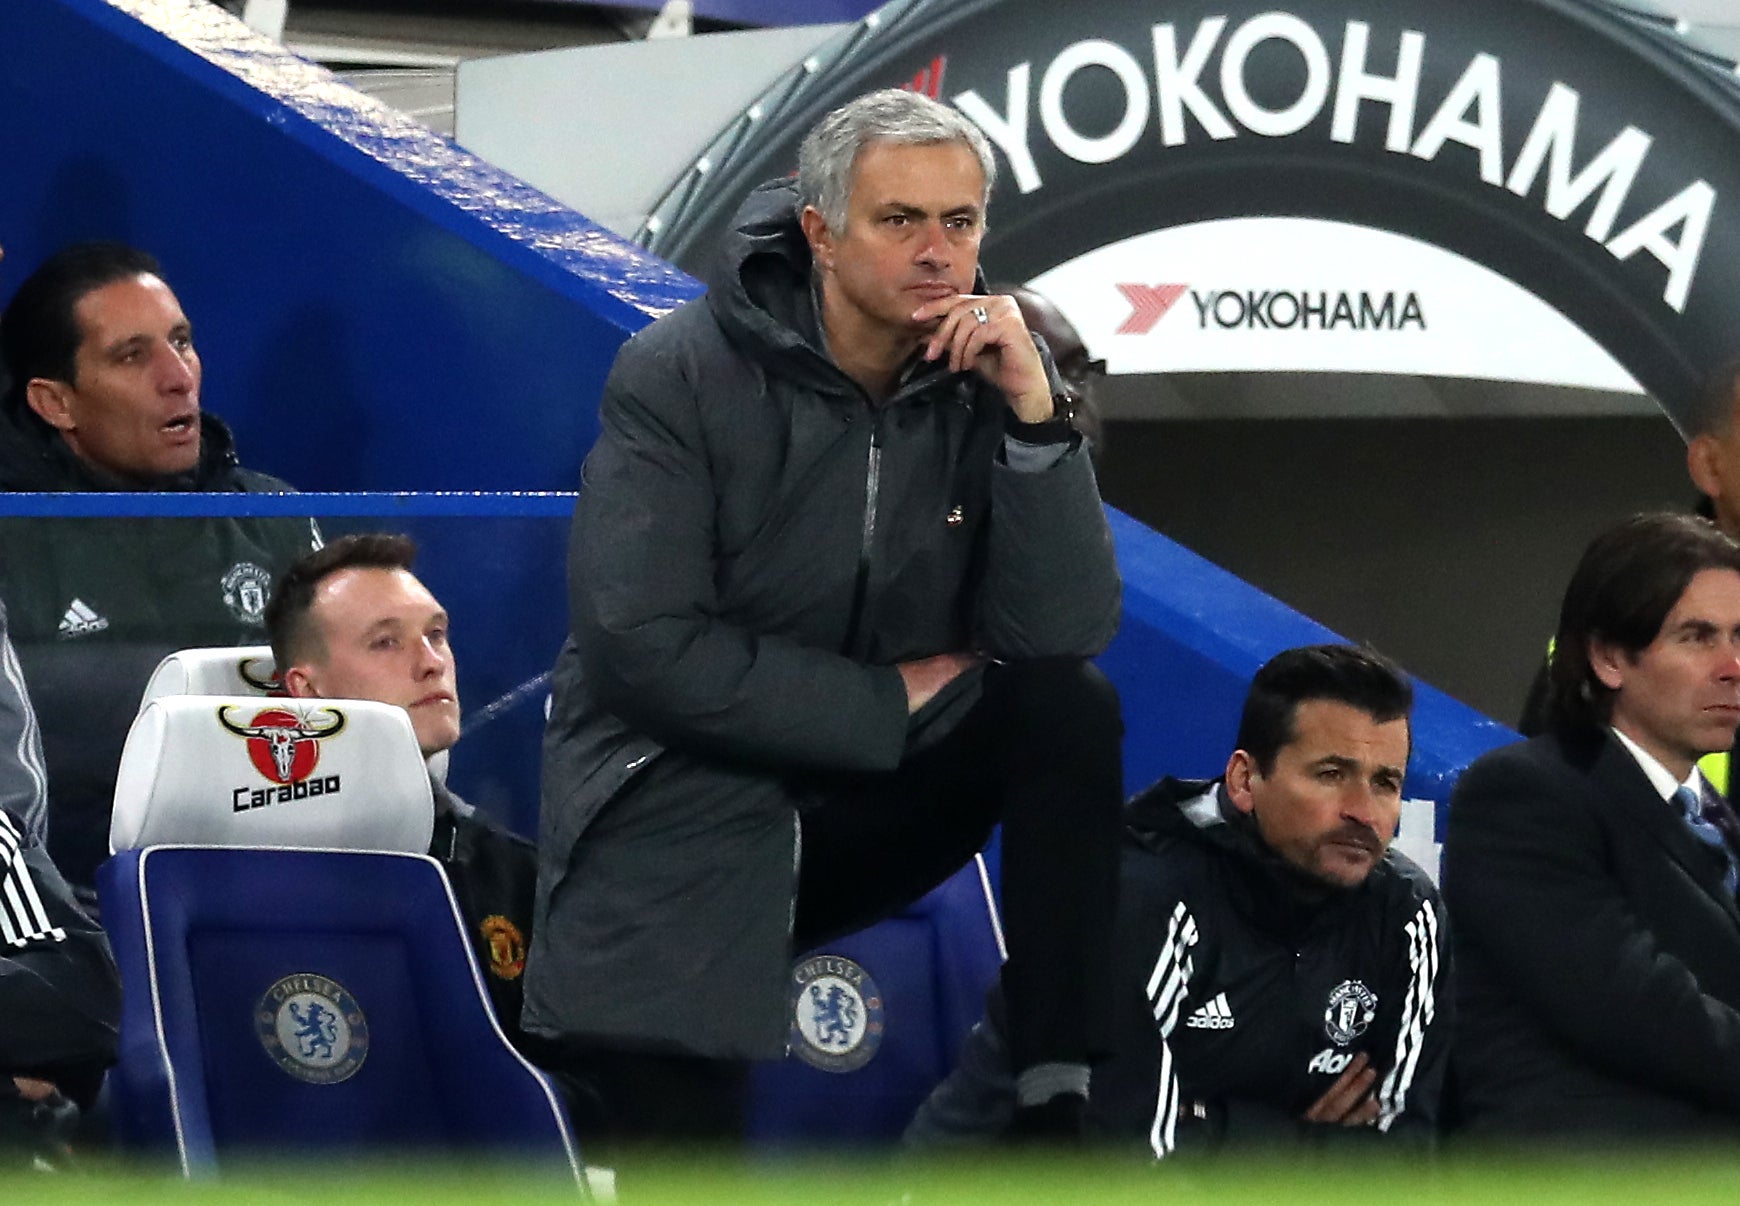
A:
[1148,305]
[929,80]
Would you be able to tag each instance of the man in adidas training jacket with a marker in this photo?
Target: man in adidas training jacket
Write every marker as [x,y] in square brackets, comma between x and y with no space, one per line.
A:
[106,395]
[1281,971]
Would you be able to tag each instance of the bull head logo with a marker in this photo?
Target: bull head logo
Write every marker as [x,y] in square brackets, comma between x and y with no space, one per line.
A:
[283,746]
[261,674]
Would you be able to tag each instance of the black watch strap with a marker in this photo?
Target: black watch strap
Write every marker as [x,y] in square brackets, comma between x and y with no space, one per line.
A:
[1055,430]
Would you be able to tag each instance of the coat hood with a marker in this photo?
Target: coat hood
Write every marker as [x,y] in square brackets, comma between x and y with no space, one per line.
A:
[761,291]
[33,457]
[1197,810]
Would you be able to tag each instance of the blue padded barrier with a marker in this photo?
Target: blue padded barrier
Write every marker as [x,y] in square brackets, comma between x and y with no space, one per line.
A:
[497,562]
[1192,634]
[769,12]
[375,308]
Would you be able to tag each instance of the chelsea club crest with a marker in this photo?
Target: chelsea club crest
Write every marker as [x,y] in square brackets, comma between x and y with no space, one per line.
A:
[313,1029]
[836,1014]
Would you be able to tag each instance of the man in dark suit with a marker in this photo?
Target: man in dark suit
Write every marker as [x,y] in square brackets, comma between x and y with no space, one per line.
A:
[1592,872]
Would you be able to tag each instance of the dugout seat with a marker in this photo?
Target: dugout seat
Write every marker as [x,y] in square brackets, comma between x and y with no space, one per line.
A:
[231,670]
[296,976]
[220,670]
[878,1019]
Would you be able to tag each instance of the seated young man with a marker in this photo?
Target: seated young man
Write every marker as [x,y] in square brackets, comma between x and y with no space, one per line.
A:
[351,621]
[1281,971]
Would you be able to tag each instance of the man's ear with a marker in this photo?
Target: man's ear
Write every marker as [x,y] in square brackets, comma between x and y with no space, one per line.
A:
[1609,662]
[1701,457]
[298,683]
[1241,768]
[52,400]
[819,237]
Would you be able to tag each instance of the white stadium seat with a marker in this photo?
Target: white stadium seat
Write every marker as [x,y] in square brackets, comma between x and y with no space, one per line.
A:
[246,771]
[231,670]
[224,670]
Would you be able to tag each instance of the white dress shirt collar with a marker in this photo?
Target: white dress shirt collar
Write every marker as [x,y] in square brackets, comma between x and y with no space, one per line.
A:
[1660,777]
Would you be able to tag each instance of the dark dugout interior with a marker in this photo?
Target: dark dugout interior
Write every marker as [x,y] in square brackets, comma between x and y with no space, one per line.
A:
[1443,539]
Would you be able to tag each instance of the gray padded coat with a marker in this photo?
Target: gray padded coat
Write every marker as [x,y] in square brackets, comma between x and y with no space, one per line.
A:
[755,546]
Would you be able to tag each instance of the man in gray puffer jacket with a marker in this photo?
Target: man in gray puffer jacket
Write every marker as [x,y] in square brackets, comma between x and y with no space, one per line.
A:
[837,565]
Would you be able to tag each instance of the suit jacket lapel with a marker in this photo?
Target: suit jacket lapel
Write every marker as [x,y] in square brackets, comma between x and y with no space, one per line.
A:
[1634,796]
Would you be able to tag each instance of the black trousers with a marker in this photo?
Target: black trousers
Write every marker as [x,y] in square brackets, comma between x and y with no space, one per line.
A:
[1039,751]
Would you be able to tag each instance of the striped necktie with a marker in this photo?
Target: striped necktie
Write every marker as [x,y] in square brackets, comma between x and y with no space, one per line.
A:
[1692,812]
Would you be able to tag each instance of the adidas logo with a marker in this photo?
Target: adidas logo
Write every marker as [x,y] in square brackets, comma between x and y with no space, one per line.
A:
[80,620]
[1215,1015]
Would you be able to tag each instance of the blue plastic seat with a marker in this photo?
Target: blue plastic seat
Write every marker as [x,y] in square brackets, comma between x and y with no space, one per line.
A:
[279,1001]
[295,971]
[878,1019]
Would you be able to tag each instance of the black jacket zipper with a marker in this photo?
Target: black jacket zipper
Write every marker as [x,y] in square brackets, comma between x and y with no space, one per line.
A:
[872,486]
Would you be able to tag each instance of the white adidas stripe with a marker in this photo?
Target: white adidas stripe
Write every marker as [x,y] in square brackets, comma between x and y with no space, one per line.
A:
[29,750]
[1418,1011]
[1166,992]
[23,919]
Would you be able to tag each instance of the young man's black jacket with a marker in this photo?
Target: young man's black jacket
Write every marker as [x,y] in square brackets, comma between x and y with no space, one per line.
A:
[494,874]
[94,604]
[1243,992]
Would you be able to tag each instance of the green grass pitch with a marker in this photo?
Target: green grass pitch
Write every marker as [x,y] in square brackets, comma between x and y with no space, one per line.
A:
[982,1180]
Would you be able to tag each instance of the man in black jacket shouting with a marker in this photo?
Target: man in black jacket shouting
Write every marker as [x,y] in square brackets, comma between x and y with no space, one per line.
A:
[837,565]
[1592,871]
[1281,971]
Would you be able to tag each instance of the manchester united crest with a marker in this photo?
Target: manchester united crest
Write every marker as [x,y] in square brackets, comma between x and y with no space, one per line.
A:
[506,946]
[1351,1008]
[246,588]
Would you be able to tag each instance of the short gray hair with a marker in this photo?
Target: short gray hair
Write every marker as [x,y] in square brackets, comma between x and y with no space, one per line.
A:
[829,154]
